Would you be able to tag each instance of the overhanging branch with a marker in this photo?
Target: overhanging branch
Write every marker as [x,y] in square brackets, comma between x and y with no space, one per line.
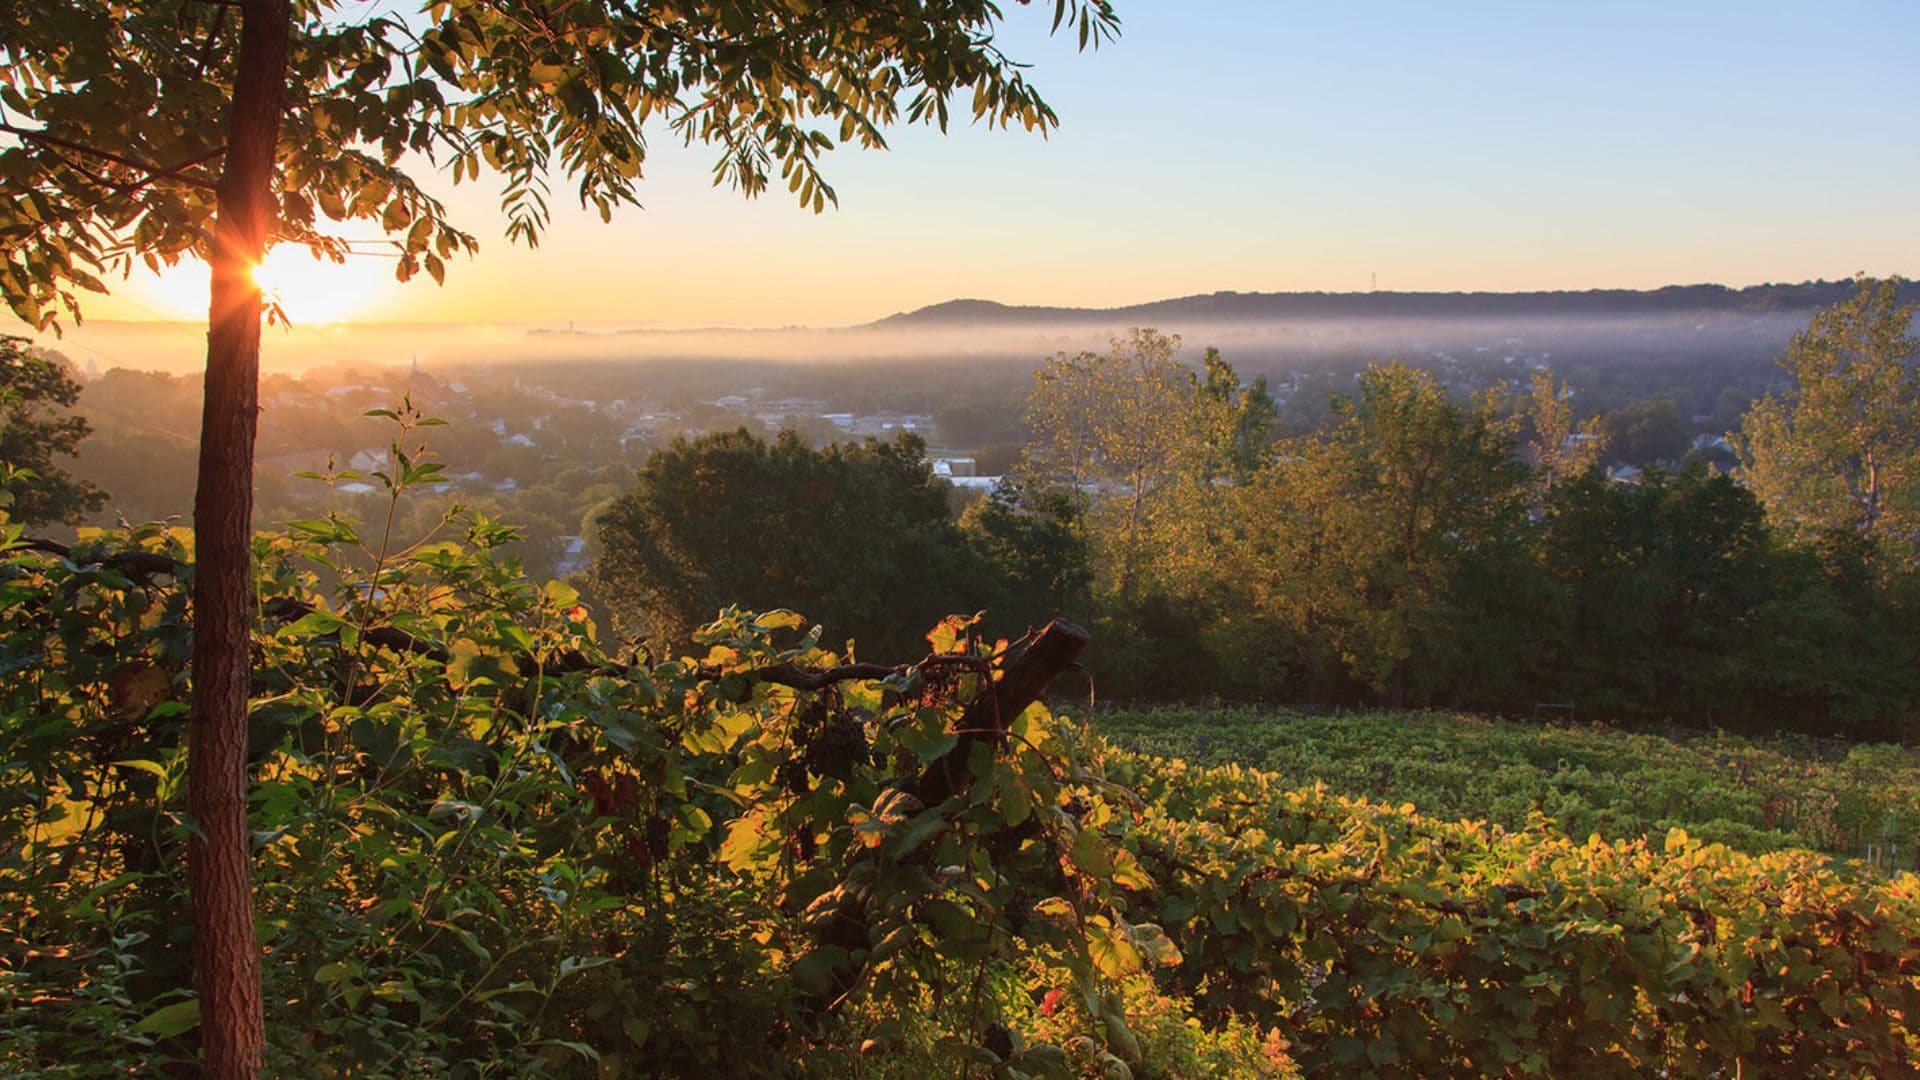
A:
[153,172]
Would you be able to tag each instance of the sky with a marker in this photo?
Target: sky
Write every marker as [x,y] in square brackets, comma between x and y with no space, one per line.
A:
[1260,146]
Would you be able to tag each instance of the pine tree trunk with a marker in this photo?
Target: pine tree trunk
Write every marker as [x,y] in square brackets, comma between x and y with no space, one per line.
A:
[225,952]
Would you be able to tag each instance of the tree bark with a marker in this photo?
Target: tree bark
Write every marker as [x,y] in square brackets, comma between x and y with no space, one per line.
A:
[225,952]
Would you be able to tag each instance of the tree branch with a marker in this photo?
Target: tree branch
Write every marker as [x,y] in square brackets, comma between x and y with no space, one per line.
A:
[142,566]
[212,42]
[154,172]
[986,719]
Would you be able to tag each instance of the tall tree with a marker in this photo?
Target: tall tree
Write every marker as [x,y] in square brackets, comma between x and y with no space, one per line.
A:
[176,128]
[1840,449]
[36,430]
[1413,492]
[1644,432]
[1656,590]
[1233,423]
[855,537]
[1034,552]
[1559,448]
[1112,424]
[1128,425]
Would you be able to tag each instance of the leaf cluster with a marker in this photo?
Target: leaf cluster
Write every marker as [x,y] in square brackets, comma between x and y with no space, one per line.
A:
[117,113]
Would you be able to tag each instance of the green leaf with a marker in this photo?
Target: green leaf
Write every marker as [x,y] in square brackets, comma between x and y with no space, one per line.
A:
[918,830]
[153,767]
[1155,945]
[747,845]
[1091,854]
[313,622]
[779,620]
[1111,949]
[170,1020]
[1016,804]
[814,972]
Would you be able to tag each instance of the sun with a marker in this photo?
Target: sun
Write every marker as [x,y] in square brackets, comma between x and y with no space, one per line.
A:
[316,291]
[312,291]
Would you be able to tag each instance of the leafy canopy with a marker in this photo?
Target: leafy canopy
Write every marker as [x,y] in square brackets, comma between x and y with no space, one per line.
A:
[1130,427]
[858,535]
[1840,450]
[35,428]
[116,114]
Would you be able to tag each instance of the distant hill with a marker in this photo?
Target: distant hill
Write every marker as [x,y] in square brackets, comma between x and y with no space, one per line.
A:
[1236,307]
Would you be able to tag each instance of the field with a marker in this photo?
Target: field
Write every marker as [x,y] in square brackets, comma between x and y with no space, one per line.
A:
[1854,802]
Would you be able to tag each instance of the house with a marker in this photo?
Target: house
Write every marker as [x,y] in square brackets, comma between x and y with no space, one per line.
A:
[573,556]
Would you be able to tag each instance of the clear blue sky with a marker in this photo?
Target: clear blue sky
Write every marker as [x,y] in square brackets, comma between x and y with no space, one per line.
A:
[1277,146]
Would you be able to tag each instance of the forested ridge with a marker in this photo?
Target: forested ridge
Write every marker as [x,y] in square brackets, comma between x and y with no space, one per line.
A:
[1802,298]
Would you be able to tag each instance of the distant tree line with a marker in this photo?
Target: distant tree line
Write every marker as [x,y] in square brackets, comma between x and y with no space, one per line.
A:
[1417,549]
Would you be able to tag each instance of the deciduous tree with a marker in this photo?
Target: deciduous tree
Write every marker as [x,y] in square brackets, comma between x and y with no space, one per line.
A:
[857,537]
[174,128]
[1128,425]
[36,430]
[1559,447]
[1840,448]
[1410,490]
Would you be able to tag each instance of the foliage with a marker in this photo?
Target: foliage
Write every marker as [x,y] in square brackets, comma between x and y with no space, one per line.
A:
[1644,432]
[1559,448]
[35,430]
[1113,422]
[118,118]
[1035,545]
[1857,801]
[1129,426]
[1384,943]
[485,846]
[1840,450]
[1407,553]
[1232,424]
[1400,497]
[857,535]
[1656,588]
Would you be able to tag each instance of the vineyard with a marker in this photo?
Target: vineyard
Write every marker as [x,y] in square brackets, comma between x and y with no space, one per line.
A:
[1855,801]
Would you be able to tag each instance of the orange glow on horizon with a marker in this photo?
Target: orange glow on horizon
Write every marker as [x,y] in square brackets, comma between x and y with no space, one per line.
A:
[312,291]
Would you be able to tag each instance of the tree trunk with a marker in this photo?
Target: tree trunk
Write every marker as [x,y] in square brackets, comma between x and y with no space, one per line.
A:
[225,952]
